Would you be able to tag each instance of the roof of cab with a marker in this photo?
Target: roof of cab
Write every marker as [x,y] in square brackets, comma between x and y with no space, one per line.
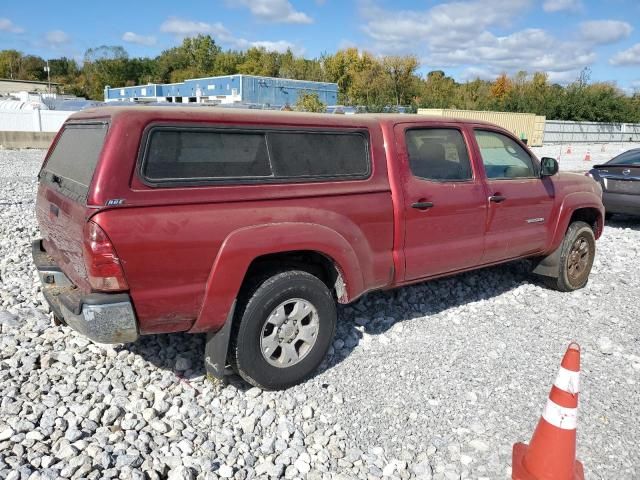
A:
[265,116]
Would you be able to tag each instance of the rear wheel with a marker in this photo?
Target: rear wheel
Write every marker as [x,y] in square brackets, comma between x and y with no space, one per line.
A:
[576,258]
[283,329]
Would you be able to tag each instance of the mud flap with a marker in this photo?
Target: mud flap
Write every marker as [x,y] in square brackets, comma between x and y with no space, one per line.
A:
[549,266]
[215,350]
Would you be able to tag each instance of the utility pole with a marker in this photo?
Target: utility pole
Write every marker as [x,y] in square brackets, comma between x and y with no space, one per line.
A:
[48,70]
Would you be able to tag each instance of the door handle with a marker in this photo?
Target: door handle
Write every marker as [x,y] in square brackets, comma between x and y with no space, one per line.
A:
[422,205]
[497,198]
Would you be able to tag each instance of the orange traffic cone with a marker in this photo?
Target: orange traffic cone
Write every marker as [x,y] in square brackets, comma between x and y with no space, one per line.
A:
[551,454]
[587,157]
[569,150]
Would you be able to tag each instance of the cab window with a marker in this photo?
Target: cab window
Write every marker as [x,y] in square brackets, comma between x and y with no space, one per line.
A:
[503,157]
[438,154]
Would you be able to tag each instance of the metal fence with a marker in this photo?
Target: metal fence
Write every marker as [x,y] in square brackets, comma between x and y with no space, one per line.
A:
[559,131]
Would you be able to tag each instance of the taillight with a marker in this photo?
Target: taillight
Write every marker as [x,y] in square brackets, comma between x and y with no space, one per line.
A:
[103,265]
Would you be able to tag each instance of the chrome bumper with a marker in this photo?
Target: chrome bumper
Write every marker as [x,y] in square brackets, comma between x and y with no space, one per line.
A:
[102,317]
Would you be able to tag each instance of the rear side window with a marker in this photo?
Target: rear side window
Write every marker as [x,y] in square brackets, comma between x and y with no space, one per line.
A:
[201,155]
[179,155]
[318,154]
[75,156]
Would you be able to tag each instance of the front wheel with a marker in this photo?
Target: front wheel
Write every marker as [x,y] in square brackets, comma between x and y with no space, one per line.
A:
[577,253]
[283,331]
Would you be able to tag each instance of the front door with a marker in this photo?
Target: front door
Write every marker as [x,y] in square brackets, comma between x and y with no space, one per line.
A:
[444,201]
[519,201]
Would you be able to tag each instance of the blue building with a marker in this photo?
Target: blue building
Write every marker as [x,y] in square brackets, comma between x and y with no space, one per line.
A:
[228,89]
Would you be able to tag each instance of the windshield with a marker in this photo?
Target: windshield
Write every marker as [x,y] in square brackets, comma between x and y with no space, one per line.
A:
[632,157]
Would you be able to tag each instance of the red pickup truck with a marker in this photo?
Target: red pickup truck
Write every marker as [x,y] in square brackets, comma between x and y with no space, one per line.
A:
[249,226]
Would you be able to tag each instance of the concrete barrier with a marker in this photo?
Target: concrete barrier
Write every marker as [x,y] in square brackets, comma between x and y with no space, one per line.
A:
[26,139]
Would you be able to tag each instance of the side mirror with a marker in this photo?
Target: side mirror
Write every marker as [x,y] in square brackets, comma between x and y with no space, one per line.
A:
[549,166]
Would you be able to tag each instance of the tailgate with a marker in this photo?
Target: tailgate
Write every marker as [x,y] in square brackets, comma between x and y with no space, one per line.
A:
[61,204]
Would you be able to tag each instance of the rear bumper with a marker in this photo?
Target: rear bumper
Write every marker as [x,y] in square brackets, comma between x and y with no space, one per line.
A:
[102,317]
[621,203]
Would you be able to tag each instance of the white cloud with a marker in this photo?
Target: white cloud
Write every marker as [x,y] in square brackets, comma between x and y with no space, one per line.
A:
[443,23]
[458,34]
[564,78]
[131,37]
[601,32]
[183,28]
[562,5]
[631,56]
[278,46]
[7,25]
[277,11]
[57,37]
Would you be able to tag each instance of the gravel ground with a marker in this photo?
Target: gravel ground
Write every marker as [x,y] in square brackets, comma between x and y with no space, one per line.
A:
[434,381]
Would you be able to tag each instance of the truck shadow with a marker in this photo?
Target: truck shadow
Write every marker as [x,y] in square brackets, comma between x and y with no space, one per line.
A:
[380,312]
[372,315]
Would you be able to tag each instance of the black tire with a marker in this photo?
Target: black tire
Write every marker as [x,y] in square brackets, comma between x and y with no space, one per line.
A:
[256,305]
[576,258]
[608,215]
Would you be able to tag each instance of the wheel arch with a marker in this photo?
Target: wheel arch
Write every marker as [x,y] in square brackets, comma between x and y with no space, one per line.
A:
[314,262]
[578,206]
[592,215]
[310,247]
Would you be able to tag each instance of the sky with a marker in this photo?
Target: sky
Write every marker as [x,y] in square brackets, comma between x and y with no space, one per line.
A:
[465,38]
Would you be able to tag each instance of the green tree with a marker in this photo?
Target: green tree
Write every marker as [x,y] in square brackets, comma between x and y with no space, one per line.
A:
[260,61]
[63,68]
[10,63]
[32,68]
[437,91]
[340,68]
[299,68]
[227,62]
[104,65]
[310,102]
[401,73]
[195,57]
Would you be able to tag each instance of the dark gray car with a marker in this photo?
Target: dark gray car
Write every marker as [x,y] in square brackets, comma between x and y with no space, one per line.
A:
[620,181]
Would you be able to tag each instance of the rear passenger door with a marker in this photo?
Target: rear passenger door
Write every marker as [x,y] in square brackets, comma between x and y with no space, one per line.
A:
[444,201]
[519,201]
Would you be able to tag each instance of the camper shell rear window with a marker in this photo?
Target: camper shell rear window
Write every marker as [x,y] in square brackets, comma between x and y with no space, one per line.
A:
[74,157]
[197,155]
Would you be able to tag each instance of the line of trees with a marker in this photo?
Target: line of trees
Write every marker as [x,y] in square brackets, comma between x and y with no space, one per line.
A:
[363,79]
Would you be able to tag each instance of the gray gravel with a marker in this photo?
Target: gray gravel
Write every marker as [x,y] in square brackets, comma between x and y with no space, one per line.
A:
[434,381]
